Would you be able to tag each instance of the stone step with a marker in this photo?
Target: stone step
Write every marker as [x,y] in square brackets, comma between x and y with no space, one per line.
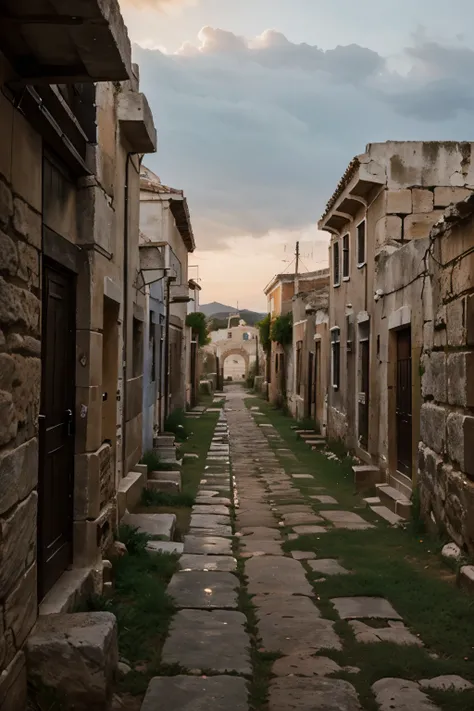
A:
[366,476]
[129,492]
[394,500]
[163,440]
[157,525]
[181,693]
[387,514]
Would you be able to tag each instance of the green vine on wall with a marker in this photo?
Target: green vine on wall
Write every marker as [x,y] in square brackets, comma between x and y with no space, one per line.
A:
[197,321]
[282,330]
[264,327]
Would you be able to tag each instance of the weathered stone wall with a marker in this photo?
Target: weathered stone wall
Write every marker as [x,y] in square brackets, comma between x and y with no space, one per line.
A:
[446,450]
[20,380]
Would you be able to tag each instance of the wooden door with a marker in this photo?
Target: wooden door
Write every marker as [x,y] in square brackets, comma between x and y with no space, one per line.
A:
[56,466]
[310,388]
[404,403]
[364,395]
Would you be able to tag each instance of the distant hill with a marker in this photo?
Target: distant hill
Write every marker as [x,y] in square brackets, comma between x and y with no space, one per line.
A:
[218,314]
[216,308]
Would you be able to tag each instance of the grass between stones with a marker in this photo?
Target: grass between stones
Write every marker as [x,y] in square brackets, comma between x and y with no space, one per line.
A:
[399,564]
[142,608]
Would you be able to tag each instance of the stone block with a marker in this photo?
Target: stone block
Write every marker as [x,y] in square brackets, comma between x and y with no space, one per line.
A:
[19,307]
[18,538]
[468,432]
[21,606]
[444,196]
[433,427]
[129,492]
[423,200]
[418,225]
[182,693]
[92,537]
[27,167]
[460,372]
[88,641]
[27,222]
[455,438]
[399,202]
[386,229]
[6,128]
[97,217]
[456,322]
[9,252]
[87,499]
[88,419]
[18,473]
[13,685]
[433,382]
[88,358]
[6,203]
[26,390]
[8,421]
[28,264]
[466,577]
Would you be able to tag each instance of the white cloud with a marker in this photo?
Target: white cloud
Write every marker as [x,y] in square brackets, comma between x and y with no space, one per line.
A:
[259,131]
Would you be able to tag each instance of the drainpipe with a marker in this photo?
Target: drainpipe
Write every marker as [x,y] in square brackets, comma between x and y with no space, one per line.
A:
[167,348]
[126,231]
[125,314]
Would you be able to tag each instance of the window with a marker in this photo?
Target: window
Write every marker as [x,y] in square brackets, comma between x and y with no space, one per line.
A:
[276,363]
[361,244]
[229,334]
[336,357]
[345,256]
[299,365]
[245,337]
[335,261]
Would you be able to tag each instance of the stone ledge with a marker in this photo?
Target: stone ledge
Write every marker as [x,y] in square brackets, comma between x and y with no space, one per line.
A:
[72,586]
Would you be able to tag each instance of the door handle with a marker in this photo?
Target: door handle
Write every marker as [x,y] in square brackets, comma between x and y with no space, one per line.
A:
[69,422]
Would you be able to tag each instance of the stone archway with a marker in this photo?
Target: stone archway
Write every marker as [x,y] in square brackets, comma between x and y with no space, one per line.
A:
[243,352]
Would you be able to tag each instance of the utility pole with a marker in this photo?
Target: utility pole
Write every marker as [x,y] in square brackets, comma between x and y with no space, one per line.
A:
[297,264]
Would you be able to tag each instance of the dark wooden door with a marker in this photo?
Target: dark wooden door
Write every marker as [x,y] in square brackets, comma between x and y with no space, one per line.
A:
[364,395]
[56,470]
[310,389]
[404,403]
[194,356]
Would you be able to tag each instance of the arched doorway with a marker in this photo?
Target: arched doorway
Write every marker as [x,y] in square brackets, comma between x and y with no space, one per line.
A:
[235,364]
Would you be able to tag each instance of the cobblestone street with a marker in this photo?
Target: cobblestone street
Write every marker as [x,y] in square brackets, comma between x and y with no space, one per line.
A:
[250,631]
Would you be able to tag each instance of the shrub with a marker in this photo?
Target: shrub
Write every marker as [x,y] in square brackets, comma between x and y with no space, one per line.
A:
[164,498]
[197,321]
[152,461]
[282,330]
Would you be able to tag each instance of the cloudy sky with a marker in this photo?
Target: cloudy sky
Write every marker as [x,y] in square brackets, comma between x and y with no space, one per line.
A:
[261,104]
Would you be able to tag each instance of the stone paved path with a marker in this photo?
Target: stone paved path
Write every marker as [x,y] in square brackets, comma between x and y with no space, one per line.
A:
[247,505]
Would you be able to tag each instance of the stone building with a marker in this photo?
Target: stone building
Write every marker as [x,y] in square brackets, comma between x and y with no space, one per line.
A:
[380,218]
[236,348]
[307,398]
[166,228]
[446,448]
[280,293]
[70,310]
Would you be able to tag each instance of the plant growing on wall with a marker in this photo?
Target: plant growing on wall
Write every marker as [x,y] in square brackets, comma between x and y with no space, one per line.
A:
[282,330]
[264,327]
[197,321]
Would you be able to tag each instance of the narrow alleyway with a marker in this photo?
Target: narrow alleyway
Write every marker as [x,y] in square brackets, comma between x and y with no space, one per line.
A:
[251,631]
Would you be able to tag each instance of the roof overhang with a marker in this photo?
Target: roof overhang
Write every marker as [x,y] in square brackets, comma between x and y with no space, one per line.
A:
[65,41]
[180,211]
[354,189]
[136,122]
